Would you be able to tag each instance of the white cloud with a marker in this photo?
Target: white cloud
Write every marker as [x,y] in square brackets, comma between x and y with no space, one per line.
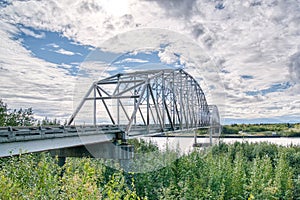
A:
[243,38]
[65,52]
[33,34]
[53,45]
[294,66]
[131,60]
[167,57]
[66,66]
[27,81]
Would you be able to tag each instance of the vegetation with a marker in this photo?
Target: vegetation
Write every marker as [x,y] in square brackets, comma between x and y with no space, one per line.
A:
[283,129]
[51,122]
[14,117]
[237,171]
[22,117]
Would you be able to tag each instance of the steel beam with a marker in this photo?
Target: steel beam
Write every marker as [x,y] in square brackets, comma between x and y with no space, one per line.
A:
[176,97]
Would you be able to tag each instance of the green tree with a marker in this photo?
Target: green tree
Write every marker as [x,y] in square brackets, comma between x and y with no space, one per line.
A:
[80,179]
[284,177]
[21,117]
[239,177]
[117,188]
[30,176]
[3,113]
[48,122]
[14,117]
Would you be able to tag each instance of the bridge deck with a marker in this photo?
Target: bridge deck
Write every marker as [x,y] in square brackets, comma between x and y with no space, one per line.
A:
[16,140]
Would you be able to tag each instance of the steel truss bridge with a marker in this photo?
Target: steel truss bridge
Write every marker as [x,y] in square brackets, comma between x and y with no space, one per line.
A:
[125,105]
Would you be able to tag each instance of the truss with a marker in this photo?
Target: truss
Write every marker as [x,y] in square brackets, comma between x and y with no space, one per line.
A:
[149,101]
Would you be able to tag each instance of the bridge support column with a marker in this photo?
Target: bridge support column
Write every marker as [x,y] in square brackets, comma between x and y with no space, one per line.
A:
[205,144]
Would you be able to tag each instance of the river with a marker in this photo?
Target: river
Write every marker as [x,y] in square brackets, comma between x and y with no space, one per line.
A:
[185,144]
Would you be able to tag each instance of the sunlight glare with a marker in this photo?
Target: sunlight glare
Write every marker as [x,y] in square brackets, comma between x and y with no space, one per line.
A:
[116,7]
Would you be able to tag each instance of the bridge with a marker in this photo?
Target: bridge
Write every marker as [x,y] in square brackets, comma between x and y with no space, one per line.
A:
[117,108]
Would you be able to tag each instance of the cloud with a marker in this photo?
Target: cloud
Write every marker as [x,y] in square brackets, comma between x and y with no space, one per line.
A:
[53,45]
[65,52]
[27,81]
[131,60]
[242,38]
[168,57]
[178,8]
[32,33]
[294,66]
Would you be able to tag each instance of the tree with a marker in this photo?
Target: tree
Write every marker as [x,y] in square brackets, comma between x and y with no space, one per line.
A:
[49,122]
[14,117]
[3,113]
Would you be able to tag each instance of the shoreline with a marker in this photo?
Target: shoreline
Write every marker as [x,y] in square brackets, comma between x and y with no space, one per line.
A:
[229,136]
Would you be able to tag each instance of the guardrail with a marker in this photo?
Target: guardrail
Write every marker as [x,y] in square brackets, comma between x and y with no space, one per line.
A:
[15,134]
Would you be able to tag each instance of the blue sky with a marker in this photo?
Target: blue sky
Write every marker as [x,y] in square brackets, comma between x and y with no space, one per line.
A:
[53,47]
[252,49]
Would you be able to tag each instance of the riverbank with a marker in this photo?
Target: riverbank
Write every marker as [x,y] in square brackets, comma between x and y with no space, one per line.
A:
[225,136]
[185,143]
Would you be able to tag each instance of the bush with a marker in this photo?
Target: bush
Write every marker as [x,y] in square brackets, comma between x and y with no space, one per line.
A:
[235,171]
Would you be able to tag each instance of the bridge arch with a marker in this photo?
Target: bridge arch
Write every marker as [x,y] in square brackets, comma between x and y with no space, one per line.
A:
[145,102]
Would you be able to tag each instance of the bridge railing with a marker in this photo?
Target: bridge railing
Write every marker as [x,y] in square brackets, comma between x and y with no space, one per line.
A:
[15,134]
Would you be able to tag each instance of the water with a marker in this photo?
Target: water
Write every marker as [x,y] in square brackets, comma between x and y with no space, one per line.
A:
[185,144]
[279,141]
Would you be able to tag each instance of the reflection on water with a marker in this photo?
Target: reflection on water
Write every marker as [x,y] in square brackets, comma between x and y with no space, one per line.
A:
[184,144]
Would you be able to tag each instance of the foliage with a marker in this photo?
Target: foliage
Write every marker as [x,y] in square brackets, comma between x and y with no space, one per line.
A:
[22,117]
[14,117]
[3,113]
[230,129]
[292,133]
[236,171]
[29,177]
[283,129]
[46,121]
[79,180]
[141,146]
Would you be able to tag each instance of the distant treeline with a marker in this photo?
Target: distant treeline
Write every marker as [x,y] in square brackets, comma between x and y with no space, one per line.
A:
[284,129]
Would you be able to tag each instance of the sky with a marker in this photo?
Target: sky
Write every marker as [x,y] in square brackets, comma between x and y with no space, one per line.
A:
[245,54]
